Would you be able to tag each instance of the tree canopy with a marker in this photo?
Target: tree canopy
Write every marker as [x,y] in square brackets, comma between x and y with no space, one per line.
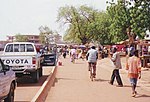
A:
[129,18]
[124,19]
[85,24]
[21,38]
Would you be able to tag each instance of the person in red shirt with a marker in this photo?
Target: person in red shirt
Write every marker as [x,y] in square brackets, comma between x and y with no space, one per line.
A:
[134,70]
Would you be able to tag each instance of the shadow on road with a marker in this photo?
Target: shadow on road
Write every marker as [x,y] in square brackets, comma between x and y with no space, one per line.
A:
[129,86]
[79,63]
[57,79]
[142,95]
[101,80]
[28,81]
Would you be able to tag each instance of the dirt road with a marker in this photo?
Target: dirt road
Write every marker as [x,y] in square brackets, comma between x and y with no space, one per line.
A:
[74,85]
[27,89]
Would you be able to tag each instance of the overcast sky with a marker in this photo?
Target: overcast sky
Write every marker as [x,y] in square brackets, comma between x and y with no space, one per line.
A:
[26,16]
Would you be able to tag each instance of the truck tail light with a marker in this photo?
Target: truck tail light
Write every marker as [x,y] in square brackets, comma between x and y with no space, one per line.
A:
[33,60]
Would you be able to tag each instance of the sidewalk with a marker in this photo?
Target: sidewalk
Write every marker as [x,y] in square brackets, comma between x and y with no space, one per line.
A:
[74,85]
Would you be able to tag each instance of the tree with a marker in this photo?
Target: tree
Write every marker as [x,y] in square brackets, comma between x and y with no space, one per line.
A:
[21,38]
[44,32]
[140,14]
[78,21]
[100,28]
[129,20]
[119,18]
[58,37]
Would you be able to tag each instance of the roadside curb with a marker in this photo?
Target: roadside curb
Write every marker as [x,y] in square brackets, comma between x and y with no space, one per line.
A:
[43,91]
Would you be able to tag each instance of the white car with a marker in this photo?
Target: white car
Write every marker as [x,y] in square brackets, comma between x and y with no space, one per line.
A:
[7,83]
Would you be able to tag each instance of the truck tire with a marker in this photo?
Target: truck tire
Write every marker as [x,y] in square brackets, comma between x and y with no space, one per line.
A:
[10,96]
[36,76]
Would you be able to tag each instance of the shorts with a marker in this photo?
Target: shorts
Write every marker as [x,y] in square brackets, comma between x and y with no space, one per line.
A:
[133,81]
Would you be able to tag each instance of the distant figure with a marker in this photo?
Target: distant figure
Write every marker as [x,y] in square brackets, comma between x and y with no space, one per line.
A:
[131,50]
[64,53]
[117,65]
[144,50]
[73,54]
[134,70]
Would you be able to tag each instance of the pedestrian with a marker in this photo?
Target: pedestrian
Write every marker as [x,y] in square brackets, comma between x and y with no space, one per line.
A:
[133,66]
[131,50]
[64,54]
[73,54]
[117,65]
[92,56]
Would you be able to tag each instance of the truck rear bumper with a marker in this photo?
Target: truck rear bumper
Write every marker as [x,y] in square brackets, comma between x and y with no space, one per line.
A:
[25,70]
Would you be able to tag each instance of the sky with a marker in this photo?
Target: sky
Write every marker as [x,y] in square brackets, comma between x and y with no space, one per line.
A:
[26,16]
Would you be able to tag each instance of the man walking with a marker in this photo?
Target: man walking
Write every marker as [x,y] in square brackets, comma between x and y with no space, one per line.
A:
[117,65]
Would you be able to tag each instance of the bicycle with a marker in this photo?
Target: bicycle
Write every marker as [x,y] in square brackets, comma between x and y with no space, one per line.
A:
[91,71]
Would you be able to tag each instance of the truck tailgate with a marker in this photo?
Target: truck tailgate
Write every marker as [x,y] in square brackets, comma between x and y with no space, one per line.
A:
[17,60]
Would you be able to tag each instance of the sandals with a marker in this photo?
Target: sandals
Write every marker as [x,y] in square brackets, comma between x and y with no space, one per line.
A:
[134,94]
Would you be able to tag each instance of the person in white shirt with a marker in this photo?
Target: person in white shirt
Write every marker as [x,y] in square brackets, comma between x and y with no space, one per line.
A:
[92,56]
[73,54]
[116,66]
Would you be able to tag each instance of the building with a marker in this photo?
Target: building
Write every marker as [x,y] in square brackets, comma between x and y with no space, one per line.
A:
[31,38]
[2,44]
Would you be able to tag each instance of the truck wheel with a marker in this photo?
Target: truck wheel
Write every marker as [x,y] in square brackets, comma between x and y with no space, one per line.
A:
[10,96]
[35,76]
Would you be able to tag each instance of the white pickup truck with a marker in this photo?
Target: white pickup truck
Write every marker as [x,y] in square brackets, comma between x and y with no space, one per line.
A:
[23,58]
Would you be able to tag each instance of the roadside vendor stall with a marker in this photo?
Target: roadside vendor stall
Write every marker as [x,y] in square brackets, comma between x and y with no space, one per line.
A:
[145,60]
[145,54]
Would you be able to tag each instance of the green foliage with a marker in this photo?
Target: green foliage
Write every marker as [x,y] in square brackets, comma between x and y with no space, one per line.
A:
[119,18]
[21,38]
[100,28]
[129,19]
[85,24]
[140,14]
[44,31]
[122,20]
[42,38]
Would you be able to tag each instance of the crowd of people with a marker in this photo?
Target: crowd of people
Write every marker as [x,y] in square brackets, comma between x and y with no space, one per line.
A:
[93,53]
[80,52]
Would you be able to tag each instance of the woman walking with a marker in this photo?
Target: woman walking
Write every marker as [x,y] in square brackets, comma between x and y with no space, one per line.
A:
[134,70]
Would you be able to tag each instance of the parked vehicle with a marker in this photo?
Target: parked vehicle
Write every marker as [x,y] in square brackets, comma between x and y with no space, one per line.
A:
[23,58]
[7,83]
[50,56]
[49,59]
